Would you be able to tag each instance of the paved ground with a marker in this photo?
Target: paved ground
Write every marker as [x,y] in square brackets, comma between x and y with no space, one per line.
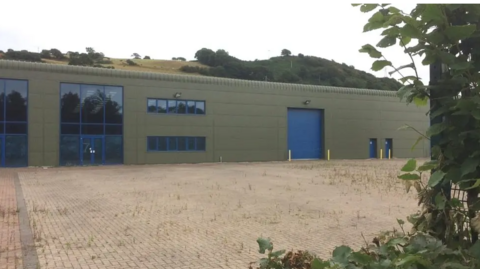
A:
[195,216]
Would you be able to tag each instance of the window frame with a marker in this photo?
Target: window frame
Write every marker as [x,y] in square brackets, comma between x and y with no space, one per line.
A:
[187,148]
[167,112]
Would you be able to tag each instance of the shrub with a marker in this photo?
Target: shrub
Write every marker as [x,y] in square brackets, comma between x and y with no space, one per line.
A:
[146,58]
[130,62]
[395,251]
[57,54]
[300,55]
[22,55]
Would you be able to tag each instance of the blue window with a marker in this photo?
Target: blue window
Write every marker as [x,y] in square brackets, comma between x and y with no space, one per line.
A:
[175,143]
[91,124]
[173,106]
[13,123]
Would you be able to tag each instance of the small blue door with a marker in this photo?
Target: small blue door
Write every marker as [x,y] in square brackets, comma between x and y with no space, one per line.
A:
[373,148]
[2,151]
[305,133]
[92,150]
[388,147]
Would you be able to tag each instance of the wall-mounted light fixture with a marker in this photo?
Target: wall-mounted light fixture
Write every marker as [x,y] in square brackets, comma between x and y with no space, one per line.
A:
[307,102]
[177,95]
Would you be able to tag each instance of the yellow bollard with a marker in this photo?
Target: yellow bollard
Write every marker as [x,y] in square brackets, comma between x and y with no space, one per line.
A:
[289,155]
[381,154]
[389,154]
[328,155]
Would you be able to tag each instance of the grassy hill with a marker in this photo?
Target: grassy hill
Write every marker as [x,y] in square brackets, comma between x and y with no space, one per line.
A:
[299,69]
[156,66]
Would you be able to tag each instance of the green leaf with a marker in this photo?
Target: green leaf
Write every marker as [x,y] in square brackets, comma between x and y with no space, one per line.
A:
[427,166]
[405,40]
[410,259]
[387,41]
[394,10]
[440,111]
[396,241]
[420,138]
[454,175]
[404,91]
[474,186]
[433,12]
[278,253]
[461,65]
[264,244]
[440,201]
[436,178]
[393,20]
[319,264]
[370,26]
[360,258]
[430,57]
[404,79]
[460,32]
[354,5]
[411,31]
[409,166]
[400,222]
[446,57]
[409,176]
[371,50]
[436,129]
[380,64]
[368,7]
[475,249]
[420,101]
[476,114]
[392,31]
[340,254]
[469,165]
[377,17]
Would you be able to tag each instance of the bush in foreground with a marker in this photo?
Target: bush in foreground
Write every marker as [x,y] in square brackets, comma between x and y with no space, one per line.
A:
[399,251]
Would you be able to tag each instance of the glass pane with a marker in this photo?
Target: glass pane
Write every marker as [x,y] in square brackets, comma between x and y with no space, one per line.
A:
[201,143]
[152,106]
[70,129]
[16,128]
[191,143]
[191,107]
[172,143]
[152,143]
[69,102]
[113,129]
[181,107]
[162,143]
[16,100]
[200,107]
[113,104]
[2,100]
[92,129]
[92,104]
[113,150]
[1,150]
[69,150]
[16,150]
[97,151]
[182,143]
[87,151]
[162,106]
[2,126]
[172,105]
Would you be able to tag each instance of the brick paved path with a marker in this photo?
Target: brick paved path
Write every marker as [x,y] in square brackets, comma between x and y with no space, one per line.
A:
[10,247]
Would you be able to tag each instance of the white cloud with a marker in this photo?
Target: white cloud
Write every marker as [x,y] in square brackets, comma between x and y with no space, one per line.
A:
[164,29]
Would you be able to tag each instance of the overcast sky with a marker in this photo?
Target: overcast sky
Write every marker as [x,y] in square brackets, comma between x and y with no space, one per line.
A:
[162,29]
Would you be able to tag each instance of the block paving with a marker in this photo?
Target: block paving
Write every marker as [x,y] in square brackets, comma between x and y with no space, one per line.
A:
[197,215]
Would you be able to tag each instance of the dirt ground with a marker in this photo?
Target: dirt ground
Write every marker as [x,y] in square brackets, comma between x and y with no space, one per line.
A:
[207,215]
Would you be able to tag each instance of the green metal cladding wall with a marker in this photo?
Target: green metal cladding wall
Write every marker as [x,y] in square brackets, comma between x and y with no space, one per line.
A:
[244,121]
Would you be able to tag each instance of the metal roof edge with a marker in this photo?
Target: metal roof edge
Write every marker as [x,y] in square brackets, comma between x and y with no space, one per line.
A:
[95,71]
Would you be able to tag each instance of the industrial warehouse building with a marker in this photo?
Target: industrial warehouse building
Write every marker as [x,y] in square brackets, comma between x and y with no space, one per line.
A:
[53,115]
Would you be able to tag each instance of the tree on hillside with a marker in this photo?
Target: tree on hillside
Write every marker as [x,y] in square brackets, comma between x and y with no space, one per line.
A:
[57,54]
[45,54]
[136,56]
[146,58]
[286,52]
[205,56]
